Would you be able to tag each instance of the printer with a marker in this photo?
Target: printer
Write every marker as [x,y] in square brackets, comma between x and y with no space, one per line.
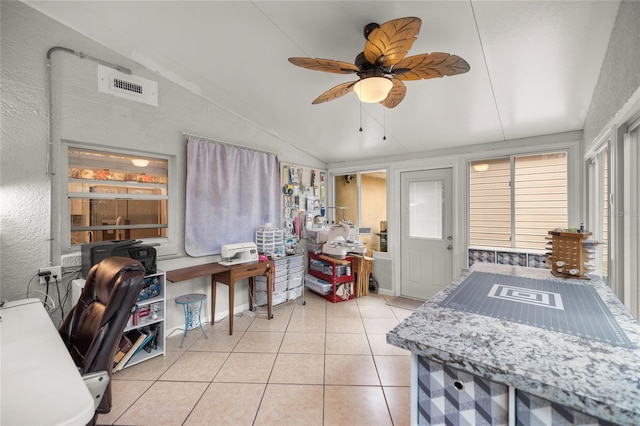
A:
[234,254]
[93,253]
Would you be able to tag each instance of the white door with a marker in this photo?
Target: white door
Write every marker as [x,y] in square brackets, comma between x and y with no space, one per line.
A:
[426,249]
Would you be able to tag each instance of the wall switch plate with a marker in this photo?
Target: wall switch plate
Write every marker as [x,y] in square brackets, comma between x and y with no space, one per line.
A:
[55,270]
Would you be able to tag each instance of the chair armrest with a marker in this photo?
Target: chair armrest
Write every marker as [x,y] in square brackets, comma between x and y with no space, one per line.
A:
[97,383]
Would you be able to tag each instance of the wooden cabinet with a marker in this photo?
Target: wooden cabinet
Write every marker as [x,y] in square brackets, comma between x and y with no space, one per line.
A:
[337,272]
[568,254]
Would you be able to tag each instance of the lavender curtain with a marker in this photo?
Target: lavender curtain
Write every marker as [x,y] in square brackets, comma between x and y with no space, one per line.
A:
[231,191]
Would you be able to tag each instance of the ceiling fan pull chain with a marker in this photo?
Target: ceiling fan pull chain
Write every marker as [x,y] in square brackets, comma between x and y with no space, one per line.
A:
[384,126]
[361,116]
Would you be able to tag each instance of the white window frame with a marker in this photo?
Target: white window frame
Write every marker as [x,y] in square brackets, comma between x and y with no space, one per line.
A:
[572,182]
[333,214]
[164,245]
[619,257]
[594,196]
[630,212]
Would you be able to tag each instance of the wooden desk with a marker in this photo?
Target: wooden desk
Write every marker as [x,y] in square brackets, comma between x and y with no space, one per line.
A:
[40,382]
[228,275]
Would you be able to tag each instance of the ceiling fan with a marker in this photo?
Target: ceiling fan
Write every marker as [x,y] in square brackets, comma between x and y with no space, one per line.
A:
[382,66]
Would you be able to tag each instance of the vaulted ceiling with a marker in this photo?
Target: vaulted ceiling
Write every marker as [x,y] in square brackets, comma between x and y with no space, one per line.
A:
[534,65]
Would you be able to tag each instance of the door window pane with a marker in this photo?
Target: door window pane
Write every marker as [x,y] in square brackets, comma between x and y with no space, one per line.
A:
[425,209]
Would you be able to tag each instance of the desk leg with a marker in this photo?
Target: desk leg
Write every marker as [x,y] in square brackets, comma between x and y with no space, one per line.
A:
[231,302]
[213,300]
[252,294]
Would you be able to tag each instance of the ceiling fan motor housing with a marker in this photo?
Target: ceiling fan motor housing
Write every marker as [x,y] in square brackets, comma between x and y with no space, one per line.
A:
[368,28]
[367,69]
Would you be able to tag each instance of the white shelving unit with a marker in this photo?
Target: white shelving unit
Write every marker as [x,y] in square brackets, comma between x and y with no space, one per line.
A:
[149,305]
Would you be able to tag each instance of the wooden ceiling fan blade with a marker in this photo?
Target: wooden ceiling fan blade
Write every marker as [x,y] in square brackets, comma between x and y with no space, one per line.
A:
[396,94]
[430,65]
[389,43]
[326,65]
[335,92]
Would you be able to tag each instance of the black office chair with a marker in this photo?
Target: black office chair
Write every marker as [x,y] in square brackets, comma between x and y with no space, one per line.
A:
[93,328]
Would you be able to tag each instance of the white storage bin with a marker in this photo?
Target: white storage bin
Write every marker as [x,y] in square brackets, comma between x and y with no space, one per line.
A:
[294,283]
[277,286]
[294,293]
[293,270]
[317,285]
[280,287]
[276,298]
[270,242]
[283,262]
[297,275]
[261,285]
[296,261]
[262,278]
[282,271]
[269,236]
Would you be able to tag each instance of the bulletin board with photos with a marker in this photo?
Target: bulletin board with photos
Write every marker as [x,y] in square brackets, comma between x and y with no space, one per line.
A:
[303,196]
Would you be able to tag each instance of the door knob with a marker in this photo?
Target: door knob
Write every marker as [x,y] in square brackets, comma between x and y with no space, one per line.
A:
[449,247]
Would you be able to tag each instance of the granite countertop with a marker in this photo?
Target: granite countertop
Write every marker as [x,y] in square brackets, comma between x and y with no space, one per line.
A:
[592,377]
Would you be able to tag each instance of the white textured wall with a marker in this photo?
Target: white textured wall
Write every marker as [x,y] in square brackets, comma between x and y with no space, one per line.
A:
[620,74]
[81,113]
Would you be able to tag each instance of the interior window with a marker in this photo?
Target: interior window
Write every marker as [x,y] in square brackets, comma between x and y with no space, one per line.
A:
[514,201]
[116,196]
[361,198]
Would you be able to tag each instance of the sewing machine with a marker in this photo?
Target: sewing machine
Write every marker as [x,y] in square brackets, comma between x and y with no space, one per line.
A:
[341,240]
[234,254]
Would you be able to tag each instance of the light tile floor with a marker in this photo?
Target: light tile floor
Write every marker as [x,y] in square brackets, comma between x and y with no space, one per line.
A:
[320,363]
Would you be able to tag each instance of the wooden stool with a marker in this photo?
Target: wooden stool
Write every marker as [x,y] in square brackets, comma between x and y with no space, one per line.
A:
[192,304]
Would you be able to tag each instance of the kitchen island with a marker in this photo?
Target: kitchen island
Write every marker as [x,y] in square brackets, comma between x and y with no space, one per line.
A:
[488,364]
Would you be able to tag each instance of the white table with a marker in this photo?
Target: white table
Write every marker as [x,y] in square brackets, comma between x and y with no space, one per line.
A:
[39,382]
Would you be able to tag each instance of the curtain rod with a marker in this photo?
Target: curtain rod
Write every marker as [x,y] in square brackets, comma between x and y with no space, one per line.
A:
[229,144]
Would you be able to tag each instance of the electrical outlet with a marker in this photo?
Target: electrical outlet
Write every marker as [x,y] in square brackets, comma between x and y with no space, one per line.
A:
[55,270]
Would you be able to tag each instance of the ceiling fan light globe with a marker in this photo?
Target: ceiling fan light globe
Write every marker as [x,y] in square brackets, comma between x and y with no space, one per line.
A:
[373,89]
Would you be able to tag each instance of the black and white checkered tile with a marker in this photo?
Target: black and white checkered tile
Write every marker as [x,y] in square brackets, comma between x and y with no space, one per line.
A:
[447,396]
[534,411]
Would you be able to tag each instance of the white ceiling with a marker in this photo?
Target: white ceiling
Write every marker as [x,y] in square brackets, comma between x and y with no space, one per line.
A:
[534,65]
